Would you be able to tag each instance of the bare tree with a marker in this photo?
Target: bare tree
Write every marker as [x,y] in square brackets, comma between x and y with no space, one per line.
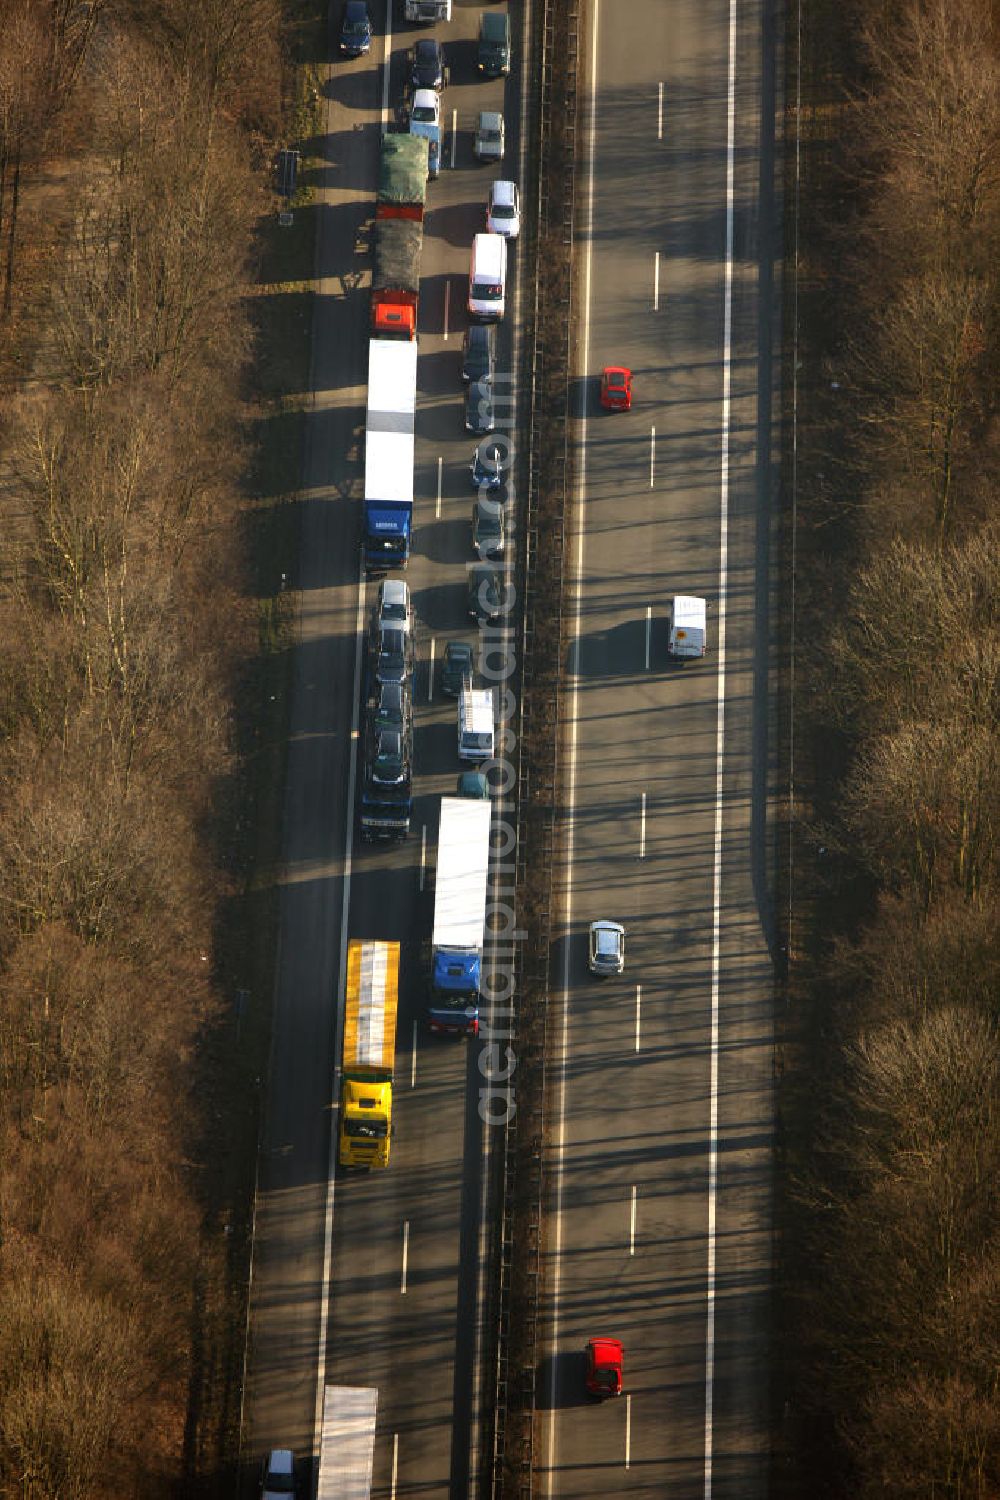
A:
[908,608]
[924,353]
[23,112]
[936,120]
[72,1365]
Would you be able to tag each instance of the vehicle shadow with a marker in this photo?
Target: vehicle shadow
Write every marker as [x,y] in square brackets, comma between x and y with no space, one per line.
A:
[560,1381]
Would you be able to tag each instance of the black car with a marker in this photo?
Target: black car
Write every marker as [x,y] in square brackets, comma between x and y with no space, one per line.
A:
[479,352]
[489,465]
[389,764]
[457,669]
[355,29]
[485,598]
[391,657]
[479,414]
[427,69]
[391,708]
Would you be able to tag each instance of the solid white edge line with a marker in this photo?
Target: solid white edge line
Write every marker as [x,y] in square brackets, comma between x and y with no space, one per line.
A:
[559,1148]
[638,1015]
[395,1465]
[628,1431]
[406,1252]
[387,55]
[341,982]
[713,1133]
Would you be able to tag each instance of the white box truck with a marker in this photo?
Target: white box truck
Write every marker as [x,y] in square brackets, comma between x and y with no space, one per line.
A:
[475,724]
[687,628]
[463,865]
[347,1446]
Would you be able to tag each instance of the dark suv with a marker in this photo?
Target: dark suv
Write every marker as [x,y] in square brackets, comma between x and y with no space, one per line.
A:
[494,43]
[355,29]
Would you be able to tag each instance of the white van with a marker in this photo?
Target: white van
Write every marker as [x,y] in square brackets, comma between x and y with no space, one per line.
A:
[687,628]
[475,724]
[488,276]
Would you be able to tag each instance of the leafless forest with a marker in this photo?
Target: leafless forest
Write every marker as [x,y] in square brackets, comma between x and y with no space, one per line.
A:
[891,1095]
[134,141]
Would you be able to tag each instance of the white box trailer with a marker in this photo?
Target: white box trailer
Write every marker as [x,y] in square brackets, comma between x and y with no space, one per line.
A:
[347,1447]
[687,628]
[460,889]
[389,451]
[463,864]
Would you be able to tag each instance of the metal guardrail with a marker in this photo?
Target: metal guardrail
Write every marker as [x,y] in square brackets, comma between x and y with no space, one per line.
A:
[549,478]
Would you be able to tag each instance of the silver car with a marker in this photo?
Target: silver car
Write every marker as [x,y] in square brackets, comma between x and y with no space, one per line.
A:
[488,145]
[607,948]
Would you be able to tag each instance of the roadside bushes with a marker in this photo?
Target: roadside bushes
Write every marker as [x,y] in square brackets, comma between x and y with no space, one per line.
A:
[895,1211]
[125,628]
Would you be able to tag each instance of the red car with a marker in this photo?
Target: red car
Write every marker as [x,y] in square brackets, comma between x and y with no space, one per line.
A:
[604,1367]
[616,388]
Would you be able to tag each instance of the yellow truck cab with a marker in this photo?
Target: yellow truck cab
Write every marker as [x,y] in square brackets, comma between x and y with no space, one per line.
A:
[370,1007]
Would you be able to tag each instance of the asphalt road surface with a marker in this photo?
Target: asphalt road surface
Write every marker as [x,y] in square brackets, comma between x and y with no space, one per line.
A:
[373,1279]
[659,1221]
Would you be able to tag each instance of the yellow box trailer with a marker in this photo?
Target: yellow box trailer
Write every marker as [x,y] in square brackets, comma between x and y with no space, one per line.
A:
[370,1007]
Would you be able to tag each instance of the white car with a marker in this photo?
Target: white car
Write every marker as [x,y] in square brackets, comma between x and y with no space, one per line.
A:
[503,212]
[426,107]
[607,948]
[488,145]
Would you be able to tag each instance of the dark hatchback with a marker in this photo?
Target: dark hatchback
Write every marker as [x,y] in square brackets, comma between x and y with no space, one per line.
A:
[389,764]
[479,352]
[427,69]
[485,599]
[391,657]
[489,465]
[391,708]
[479,413]
[457,669]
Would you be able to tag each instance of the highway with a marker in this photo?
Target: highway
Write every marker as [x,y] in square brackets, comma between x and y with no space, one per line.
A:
[373,1279]
[659,1159]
